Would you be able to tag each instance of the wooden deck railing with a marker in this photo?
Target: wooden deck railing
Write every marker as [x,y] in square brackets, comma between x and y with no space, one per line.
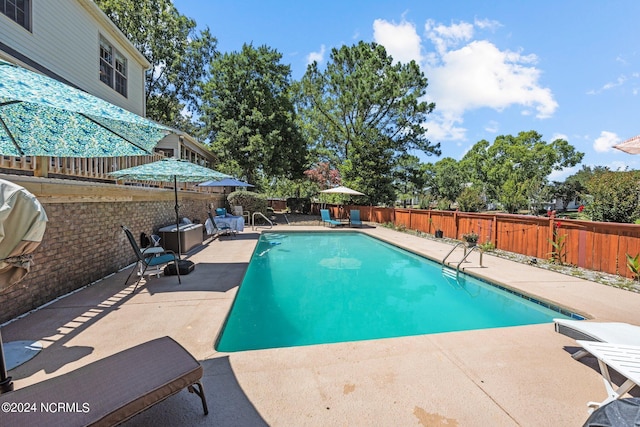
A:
[97,168]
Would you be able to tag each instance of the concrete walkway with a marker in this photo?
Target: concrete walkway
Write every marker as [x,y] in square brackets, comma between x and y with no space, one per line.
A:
[517,376]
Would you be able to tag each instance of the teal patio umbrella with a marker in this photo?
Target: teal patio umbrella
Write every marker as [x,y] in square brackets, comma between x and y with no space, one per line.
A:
[227,182]
[40,116]
[168,170]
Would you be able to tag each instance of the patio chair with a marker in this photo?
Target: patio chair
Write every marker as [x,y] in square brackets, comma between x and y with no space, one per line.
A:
[611,332]
[354,218]
[624,359]
[326,218]
[154,256]
[214,229]
[109,391]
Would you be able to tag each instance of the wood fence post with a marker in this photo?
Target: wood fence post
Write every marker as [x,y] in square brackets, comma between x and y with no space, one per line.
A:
[455,224]
[494,232]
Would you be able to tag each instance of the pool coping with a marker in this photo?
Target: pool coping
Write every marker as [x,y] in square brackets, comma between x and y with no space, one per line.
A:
[505,376]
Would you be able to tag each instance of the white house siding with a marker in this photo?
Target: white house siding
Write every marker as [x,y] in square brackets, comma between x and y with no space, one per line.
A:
[65,37]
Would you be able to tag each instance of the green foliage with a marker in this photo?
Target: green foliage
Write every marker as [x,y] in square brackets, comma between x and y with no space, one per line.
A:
[250,201]
[471,200]
[488,246]
[179,55]
[299,204]
[425,202]
[558,243]
[249,115]
[367,111]
[409,178]
[513,195]
[614,196]
[447,181]
[633,264]
[444,204]
[514,169]
[471,237]
[568,191]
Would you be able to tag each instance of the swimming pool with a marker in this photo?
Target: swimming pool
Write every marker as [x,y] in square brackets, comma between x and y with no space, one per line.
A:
[305,288]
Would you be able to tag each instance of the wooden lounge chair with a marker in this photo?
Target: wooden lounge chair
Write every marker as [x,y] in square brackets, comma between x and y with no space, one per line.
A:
[109,391]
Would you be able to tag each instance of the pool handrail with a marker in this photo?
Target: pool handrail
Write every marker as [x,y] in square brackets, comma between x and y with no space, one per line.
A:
[253,221]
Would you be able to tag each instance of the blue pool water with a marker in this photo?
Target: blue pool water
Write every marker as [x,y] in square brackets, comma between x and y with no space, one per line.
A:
[327,287]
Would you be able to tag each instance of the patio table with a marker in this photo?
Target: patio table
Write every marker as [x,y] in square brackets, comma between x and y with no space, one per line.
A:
[236,223]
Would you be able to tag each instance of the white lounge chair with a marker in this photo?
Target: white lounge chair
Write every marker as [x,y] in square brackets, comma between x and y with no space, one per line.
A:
[624,359]
[610,332]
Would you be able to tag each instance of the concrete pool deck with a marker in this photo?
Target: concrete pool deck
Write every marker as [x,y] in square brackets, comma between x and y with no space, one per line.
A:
[517,376]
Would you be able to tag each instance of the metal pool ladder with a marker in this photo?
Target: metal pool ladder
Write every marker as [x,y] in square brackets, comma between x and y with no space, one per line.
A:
[466,254]
[253,221]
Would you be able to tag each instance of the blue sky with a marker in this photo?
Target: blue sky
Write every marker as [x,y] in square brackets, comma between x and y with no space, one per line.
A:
[566,69]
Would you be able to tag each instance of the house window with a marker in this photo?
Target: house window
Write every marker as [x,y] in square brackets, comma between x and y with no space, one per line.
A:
[17,10]
[113,68]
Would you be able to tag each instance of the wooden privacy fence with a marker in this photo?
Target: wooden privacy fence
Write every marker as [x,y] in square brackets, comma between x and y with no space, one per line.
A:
[599,246]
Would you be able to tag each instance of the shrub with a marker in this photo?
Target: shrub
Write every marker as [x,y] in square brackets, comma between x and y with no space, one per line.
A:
[470,237]
[470,200]
[250,201]
[299,204]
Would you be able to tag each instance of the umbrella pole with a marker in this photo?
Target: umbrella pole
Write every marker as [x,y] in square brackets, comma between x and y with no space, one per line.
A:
[6,384]
[175,190]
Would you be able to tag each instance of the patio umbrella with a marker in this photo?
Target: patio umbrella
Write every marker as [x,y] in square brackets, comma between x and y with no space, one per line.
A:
[40,116]
[342,190]
[631,146]
[227,182]
[167,170]
[22,225]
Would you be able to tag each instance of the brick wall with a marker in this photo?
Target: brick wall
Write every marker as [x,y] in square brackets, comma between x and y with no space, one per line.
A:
[83,241]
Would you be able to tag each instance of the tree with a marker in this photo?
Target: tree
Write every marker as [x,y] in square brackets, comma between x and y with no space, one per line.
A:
[249,117]
[448,181]
[567,191]
[179,55]
[471,200]
[515,168]
[409,177]
[369,111]
[323,175]
[614,196]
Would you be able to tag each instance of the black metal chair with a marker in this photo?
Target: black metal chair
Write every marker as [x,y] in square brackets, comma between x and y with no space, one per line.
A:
[220,230]
[149,257]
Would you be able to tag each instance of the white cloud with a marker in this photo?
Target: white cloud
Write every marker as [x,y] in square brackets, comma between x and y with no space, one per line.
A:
[444,38]
[558,136]
[605,142]
[620,81]
[317,56]
[487,24]
[466,74]
[401,40]
[563,174]
[492,126]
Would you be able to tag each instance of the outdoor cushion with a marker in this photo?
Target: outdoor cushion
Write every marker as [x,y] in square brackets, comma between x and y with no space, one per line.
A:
[108,391]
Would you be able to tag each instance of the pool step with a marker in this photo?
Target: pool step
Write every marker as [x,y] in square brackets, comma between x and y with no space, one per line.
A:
[449,272]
